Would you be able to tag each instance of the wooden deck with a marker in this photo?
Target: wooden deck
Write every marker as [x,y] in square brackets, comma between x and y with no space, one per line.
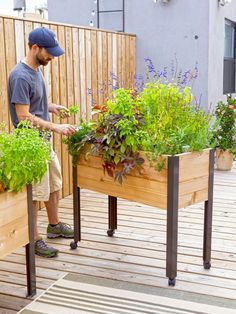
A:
[137,251]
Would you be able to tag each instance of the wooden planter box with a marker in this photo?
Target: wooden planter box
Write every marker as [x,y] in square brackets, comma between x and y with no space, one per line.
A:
[150,186]
[16,229]
[185,180]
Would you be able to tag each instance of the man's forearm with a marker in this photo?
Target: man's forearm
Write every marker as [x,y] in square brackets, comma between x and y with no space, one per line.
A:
[38,122]
[42,124]
[63,129]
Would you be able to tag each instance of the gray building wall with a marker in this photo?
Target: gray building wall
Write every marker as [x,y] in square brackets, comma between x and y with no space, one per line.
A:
[182,32]
[178,30]
[76,12]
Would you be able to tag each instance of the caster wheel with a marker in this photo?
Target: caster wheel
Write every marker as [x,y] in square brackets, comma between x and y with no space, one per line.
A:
[110,232]
[207,265]
[171,282]
[73,245]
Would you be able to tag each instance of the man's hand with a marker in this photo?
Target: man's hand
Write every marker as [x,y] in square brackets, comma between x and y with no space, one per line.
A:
[59,110]
[23,113]
[64,129]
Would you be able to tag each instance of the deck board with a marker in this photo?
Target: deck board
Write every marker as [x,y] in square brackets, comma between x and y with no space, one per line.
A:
[136,253]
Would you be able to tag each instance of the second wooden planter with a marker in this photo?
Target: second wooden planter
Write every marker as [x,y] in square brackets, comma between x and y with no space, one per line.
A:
[16,229]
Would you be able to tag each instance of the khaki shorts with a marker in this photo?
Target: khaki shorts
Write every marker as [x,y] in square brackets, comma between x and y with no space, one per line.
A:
[51,181]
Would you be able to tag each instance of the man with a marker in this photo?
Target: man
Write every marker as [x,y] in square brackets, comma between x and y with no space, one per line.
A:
[28,101]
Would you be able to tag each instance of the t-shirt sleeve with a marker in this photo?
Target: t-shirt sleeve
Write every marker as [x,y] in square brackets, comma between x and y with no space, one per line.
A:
[20,91]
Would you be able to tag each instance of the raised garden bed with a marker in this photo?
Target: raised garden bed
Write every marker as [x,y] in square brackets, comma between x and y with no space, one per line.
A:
[186,179]
[16,229]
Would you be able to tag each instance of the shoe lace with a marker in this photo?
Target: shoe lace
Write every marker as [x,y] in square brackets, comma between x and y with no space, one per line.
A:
[41,244]
[65,227]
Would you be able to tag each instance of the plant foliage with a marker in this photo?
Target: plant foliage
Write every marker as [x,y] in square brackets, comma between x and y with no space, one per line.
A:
[77,141]
[160,119]
[24,154]
[73,110]
[232,102]
[172,121]
[224,133]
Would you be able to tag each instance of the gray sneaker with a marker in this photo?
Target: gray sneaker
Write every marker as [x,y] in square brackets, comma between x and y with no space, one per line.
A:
[60,230]
[42,249]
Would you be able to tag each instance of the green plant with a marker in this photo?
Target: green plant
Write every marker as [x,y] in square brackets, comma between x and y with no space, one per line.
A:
[224,133]
[159,120]
[172,121]
[119,135]
[73,110]
[77,141]
[24,154]
[231,101]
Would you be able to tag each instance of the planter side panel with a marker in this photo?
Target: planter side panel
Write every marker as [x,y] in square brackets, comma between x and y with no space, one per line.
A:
[139,187]
[13,221]
[146,172]
[150,186]
[193,178]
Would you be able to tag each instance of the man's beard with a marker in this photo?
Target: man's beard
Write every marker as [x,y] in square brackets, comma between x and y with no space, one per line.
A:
[42,61]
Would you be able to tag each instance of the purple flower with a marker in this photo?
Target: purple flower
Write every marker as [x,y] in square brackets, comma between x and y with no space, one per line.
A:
[185,77]
[172,69]
[195,74]
[113,76]
[114,81]
[162,73]
[150,67]
[179,77]
[138,82]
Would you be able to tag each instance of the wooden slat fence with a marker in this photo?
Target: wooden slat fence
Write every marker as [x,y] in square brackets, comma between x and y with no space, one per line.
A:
[81,76]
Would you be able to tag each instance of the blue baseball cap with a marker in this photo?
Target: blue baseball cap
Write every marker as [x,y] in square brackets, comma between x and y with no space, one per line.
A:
[46,38]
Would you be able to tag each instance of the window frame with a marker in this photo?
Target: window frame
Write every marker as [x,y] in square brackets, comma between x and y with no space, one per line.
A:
[229,77]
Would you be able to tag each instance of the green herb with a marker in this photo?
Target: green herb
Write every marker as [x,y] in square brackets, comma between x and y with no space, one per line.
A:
[24,154]
[77,141]
[224,133]
[231,101]
[172,121]
[73,110]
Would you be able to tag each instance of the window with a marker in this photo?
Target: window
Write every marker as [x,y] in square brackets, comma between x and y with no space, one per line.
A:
[229,58]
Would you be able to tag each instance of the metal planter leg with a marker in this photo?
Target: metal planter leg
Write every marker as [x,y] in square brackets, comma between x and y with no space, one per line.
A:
[112,213]
[208,205]
[172,219]
[29,248]
[76,209]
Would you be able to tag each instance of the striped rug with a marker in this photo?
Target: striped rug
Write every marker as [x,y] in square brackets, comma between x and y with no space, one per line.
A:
[85,294]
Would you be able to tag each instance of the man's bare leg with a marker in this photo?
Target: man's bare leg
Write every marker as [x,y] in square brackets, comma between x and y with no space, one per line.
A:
[56,228]
[52,208]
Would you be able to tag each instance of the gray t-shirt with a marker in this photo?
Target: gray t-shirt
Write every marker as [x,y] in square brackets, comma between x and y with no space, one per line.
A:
[27,87]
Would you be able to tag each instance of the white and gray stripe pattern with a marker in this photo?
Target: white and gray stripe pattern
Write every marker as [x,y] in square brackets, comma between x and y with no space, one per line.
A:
[72,297]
